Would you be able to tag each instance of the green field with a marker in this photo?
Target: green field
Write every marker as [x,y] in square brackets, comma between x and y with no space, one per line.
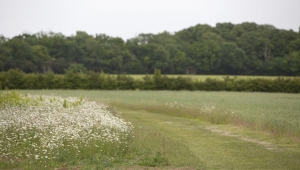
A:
[203,77]
[277,110]
[204,130]
[175,130]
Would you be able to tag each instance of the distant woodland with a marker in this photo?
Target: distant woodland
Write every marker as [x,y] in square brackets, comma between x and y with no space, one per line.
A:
[226,49]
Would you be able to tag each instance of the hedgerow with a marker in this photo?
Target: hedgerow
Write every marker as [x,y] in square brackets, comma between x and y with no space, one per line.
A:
[16,79]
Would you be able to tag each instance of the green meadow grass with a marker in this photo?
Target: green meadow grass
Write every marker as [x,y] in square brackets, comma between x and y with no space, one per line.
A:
[276,113]
[214,130]
[190,144]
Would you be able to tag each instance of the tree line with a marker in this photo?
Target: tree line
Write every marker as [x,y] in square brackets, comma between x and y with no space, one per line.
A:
[226,49]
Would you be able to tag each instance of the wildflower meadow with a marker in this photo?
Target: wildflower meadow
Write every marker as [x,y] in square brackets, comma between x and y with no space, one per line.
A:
[50,131]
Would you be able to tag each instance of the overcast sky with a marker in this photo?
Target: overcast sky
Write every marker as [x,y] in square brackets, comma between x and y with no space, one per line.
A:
[128,18]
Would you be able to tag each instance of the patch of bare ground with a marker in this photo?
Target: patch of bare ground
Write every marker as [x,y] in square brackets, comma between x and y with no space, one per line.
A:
[267,145]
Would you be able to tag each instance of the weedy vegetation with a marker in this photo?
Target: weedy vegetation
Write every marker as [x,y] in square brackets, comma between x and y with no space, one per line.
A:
[39,131]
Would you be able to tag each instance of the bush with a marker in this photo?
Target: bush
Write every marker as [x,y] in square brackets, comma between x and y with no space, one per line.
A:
[13,79]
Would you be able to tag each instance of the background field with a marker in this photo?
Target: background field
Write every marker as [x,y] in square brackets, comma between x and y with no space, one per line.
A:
[203,77]
[227,130]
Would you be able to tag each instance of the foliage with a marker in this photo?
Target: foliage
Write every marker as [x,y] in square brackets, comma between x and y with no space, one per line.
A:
[227,49]
[16,79]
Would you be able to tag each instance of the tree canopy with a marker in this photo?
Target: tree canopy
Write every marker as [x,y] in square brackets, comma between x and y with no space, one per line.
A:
[228,49]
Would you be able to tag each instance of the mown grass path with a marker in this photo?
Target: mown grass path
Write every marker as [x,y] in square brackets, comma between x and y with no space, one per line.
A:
[223,146]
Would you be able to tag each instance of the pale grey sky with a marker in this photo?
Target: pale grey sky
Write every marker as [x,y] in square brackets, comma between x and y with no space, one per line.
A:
[128,18]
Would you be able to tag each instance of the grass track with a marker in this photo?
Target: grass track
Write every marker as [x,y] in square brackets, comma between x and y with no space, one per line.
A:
[215,150]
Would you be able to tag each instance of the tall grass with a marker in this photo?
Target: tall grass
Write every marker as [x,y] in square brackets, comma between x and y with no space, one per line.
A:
[53,132]
[276,113]
[275,122]
[156,145]
[46,132]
